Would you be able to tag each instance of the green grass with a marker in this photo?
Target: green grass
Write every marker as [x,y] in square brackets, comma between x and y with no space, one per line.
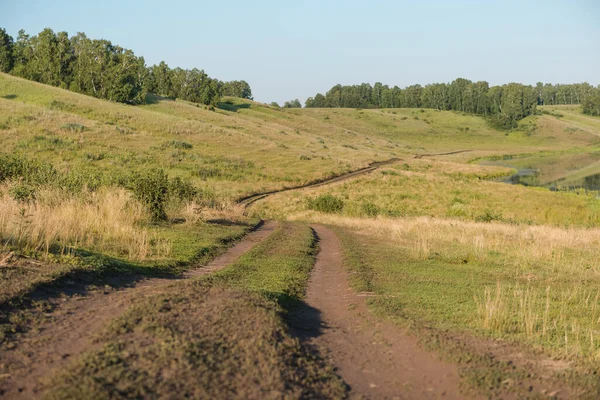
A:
[278,268]
[249,146]
[245,146]
[444,189]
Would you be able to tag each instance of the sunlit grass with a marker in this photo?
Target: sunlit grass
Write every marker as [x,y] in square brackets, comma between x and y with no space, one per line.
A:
[444,189]
[535,284]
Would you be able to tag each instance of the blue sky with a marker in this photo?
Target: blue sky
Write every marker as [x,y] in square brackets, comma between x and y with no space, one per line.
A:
[289,50]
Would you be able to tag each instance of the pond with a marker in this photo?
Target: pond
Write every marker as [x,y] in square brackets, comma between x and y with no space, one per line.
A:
[566,171]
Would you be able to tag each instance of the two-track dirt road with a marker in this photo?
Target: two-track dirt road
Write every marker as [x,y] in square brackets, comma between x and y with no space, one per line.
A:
[376,359]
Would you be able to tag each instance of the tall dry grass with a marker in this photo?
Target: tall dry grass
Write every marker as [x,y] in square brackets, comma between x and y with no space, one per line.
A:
[565,318]
[547,295]
[195,212]
[108,220]
[572,250]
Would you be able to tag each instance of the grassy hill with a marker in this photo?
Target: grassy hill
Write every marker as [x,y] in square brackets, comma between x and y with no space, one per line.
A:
[243,146]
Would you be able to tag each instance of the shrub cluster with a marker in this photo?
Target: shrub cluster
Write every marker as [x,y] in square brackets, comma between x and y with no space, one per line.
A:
[152,188]
[326,203]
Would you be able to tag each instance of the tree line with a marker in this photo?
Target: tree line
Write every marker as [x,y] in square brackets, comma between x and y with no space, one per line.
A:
[98,68]
[504,104]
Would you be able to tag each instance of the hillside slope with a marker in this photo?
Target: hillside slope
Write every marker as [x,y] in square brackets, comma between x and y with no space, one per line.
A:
[242,147]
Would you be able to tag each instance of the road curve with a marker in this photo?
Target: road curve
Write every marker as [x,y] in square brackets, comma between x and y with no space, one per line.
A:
[248,200]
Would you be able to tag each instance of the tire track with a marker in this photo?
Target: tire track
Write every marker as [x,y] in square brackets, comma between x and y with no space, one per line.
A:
[70,330]
[375,358]
[442,154]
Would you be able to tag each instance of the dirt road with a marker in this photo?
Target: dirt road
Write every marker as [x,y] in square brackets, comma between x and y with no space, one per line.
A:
[246,201]
[375,358]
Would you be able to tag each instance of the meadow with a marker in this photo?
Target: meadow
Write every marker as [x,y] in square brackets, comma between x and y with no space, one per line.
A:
[438,242]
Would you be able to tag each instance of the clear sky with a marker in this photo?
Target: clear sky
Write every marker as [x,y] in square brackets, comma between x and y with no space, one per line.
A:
[294,49]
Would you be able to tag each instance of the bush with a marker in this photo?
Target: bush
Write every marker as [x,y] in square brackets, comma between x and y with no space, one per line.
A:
[182,190]
[326,203]
[152,190]
[30,171]
[369,209]
[22,193]
[488,216]
[177,144]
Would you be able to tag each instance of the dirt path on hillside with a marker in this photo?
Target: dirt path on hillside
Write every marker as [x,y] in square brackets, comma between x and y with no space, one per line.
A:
[442,154]
[375,358]
[248,200]
[76,318]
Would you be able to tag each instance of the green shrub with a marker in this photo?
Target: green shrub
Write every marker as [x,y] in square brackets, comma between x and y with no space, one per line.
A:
[488,216]
[176,144]
[30,171]
[22,193]
[326,203]
[152,189]
[182,190]
[369,209]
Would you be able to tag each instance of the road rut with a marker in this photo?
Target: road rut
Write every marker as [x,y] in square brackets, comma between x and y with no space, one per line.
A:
[76,319]
[377,359]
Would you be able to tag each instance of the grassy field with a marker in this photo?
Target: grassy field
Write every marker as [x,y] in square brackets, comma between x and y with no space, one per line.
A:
[439,240]
[240,148]
[444,190]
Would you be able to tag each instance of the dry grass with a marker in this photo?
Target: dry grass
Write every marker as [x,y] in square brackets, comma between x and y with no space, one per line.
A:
[108,220]
[445,189]
[196,211]
[525,245]
[547,276]
[519,309]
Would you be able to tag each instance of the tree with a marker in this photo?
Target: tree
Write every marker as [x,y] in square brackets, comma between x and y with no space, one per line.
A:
[292,104]
[503,104]
[376,95]
[274,104]
[160,78]
[21,55]
[64,58]
[591,102]
[318,101]
[239,89]
[6,51]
